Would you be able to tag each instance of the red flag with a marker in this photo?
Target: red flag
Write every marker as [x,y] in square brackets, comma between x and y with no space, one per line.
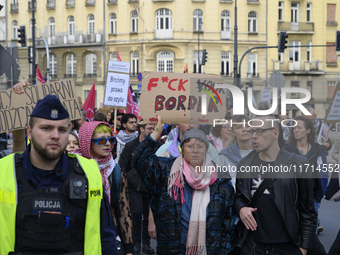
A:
[88,105]
[118,57]
[39,79]
[186,68]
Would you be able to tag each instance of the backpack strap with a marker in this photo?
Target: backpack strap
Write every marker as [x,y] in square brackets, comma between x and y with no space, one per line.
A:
[258,193]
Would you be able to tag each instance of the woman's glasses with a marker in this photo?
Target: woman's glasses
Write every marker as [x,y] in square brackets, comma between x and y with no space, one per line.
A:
[103,140]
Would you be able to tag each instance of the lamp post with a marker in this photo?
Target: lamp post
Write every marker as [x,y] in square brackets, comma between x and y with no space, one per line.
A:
[33,42]
[236,76]
[200,22]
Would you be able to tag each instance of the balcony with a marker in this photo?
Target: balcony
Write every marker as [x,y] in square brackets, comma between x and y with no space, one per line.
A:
[133,1]
[253,2]
[50,5]
[70,4]
[314,67]
[30,6]
[53,76]
[225,34]
[90,75]
[296,27]
[90,3]
[109,2]
[70,75]
[14,8]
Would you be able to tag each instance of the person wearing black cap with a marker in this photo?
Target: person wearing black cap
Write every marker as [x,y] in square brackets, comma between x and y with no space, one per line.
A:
[192,207]
[52,203]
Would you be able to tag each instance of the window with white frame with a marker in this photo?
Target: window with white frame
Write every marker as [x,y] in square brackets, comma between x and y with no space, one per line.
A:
[15,29]
[71,65]
[225,21]
[134,21]
[309,51]
[252,22]
[164,23]
[225,63]
[91,24]
[53,66]
[113,23]
[134,63]
[113,56]
[91,65]
[309,12]
[252,64]
[51,26]
[70,25]
[198,20]
[197,68]
[165,62]
[280,11]
[14,1]
[330,89]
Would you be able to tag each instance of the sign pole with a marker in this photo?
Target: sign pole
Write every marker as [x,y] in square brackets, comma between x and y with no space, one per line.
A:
[115,121]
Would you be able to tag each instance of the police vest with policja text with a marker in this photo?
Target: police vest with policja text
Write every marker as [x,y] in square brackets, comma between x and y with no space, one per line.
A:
[65,219]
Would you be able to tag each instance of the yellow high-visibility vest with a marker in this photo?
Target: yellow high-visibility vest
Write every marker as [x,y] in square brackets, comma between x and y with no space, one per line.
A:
[9,200]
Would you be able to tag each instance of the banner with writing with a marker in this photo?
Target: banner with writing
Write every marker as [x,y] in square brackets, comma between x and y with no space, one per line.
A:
[15,109]
[182,98]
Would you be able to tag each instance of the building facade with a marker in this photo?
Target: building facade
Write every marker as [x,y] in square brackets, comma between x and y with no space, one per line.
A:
[165,35]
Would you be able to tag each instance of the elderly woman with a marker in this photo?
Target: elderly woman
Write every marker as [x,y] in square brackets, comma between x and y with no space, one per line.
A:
[96,141]
[192,208]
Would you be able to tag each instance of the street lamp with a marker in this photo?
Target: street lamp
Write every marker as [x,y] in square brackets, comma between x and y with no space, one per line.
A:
[200,22]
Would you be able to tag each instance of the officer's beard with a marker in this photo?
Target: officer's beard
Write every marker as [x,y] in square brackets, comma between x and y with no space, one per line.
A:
[44,153]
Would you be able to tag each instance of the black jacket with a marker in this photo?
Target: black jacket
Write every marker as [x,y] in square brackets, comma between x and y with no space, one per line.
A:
[293,197]
[126,164]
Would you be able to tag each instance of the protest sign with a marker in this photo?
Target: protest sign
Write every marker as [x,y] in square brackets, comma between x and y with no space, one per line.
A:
[15,109]
[116,91]
[323,134]
[266,95]
[182,98]
[333,113]
[118,66]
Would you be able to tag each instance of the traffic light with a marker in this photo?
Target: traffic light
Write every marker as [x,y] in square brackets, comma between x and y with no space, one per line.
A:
[337,41]
[22,36]
[282,41]
[204,57]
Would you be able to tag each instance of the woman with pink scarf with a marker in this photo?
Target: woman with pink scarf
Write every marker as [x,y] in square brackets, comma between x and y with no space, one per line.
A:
[192,207]
[96,141]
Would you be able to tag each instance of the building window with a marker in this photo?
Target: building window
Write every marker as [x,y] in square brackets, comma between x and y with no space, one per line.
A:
[252,64]
[280,11]
[91,65]
[134,63]
[113,56]
[163,23]
[134,21]
[294,12]
[70,25]
[331,13]
[309,12]
[113,23]
[71,65]
[252,22]
[309,51]
[197,68]
[51,26]
[330,55]
[295,84]
[198,20]
[225,21]
[91,24]
[309,87]
[15,29]
[165,62]
[330,89]
[53,66]
[225,63]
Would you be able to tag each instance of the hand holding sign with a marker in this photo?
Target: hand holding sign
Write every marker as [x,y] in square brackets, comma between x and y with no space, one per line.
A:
[19,87]
[158,129]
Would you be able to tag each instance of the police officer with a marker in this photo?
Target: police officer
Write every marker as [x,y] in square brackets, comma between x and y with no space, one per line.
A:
[52,203]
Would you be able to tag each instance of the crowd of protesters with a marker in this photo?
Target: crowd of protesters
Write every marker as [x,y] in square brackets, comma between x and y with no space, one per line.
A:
[161,182]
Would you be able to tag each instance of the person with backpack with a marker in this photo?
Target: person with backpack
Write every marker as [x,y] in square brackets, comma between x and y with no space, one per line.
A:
[96,141]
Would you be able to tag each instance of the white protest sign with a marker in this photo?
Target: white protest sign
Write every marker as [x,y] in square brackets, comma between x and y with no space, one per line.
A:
[266,95]
[118,66]
[334,107]
[116,92]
